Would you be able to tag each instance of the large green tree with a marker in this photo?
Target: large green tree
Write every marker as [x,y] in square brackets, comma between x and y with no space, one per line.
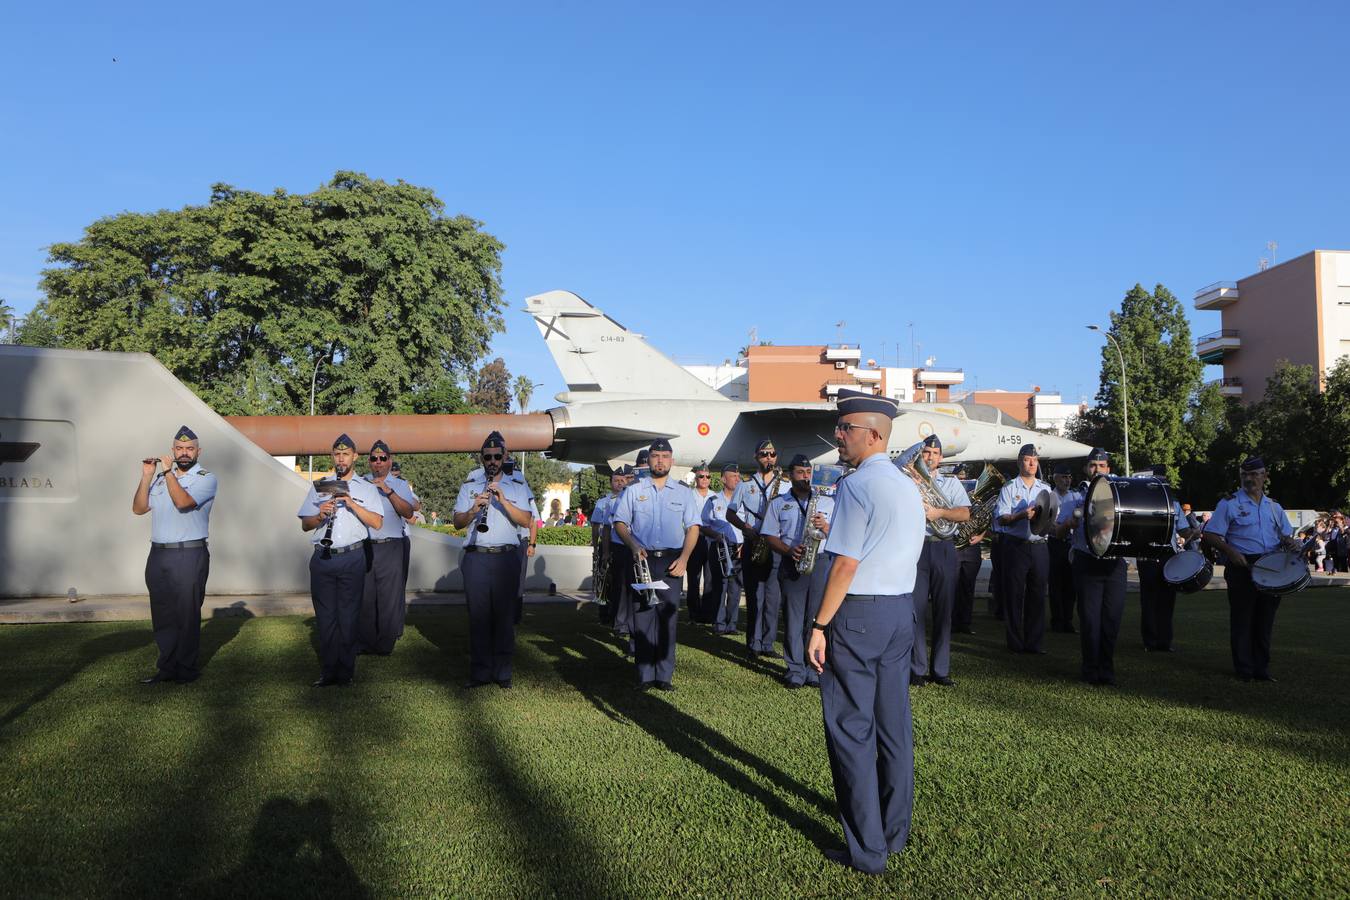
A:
[1162,379]
[491,390]
[368,283]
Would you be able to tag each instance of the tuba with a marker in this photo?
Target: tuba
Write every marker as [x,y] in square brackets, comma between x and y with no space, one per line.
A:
[983,499]
[911,463]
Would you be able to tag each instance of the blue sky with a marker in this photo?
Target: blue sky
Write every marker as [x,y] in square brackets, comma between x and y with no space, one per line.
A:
[998,175]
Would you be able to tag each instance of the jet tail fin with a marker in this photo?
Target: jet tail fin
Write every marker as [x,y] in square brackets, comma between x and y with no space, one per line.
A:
[594,353]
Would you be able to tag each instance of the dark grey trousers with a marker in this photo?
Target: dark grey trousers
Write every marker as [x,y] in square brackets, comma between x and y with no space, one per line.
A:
[801,601]
[1157,602]
[491,581]
[382,600]
[1099,585]
[935,589]
[335,587]
[654,626]
[176,580]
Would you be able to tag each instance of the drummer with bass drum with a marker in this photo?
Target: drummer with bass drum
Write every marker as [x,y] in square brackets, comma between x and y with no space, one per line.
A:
[1246,526]
[1099,583]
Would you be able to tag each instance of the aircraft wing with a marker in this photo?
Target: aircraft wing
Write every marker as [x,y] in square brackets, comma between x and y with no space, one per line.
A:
[613,433]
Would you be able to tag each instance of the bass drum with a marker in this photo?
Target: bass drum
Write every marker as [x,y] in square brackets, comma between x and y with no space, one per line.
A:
[1281,572]
[1188,571]
[1129,517]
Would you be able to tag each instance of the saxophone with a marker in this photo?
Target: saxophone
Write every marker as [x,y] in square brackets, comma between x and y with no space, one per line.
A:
[912,465]
[983,499]
[811,538]
[759,551]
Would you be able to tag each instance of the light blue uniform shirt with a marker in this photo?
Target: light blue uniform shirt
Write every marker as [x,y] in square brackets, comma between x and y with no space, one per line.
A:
[347,528]
[751,500]
[953,491]
[169,524]
[658,517]
[878,520]
[1014,498]
[714,518]
[502,532]
[1250,527]
[787,516]
[393,525]
[600,515]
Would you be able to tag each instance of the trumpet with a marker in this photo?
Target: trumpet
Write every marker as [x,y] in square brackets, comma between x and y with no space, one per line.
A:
[724,560]
[642,574]
[600,562]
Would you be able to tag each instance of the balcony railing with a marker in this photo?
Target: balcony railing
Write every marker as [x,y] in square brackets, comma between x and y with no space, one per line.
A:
[941,375]
[1218,335]
[1216,295]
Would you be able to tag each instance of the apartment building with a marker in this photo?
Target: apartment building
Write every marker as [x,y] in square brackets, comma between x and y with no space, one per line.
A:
[815,373]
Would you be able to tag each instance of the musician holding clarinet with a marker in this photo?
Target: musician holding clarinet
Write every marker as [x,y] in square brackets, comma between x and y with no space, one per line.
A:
[492,508]
[797,523]
[340,511]
[178,493]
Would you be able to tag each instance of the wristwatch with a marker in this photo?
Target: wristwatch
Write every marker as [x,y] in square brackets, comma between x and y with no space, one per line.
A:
[819,626]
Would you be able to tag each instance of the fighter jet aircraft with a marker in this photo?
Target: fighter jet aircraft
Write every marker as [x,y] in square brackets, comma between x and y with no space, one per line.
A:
[622,393]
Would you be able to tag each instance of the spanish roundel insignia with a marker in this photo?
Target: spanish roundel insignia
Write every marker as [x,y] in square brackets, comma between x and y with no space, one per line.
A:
[703,429]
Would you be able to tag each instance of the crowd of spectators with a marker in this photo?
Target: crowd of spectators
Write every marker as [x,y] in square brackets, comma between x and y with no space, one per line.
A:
[1326,543]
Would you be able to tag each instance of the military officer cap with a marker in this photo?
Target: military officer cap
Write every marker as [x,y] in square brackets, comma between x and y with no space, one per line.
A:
[1063,469]
[799,460]
[701,467]
[494,439]
[858,402]
[380,445]
[642,456]
[1028,450]
[1098,455]
[185,433]
[624,470]
[765,444]
[731,467]
[932,441]
[395,467]
[1253,463]
[344,442]
[660,445]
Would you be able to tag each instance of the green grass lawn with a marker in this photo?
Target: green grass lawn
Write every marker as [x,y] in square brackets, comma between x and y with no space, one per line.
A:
[1179,782]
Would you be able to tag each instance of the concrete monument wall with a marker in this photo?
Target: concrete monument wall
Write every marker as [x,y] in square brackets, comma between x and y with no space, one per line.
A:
[74,426]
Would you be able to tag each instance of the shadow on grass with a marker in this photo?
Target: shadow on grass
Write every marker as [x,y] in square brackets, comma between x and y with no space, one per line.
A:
[594,669]
[89,653]
[223,627]
[291,854]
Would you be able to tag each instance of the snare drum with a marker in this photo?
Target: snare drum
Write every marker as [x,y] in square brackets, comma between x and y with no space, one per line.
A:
[1129,517]
[1188,571]
[1281,572]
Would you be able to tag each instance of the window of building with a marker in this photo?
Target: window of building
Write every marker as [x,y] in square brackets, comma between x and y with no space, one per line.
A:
[930,395]
[900,395]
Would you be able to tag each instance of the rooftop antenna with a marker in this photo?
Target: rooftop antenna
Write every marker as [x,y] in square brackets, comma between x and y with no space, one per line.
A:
[1263,264]
[913,354]
[1272,247]
[839,330]
[754,336]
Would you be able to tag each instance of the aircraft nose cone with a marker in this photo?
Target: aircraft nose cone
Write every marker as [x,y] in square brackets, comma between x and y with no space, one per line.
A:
[1059,448]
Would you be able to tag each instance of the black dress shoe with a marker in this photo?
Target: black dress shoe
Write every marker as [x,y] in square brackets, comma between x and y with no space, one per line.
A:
[155,678]
[944,680]
[793,685]
[646,686]
[475,683]
[917,681]
[664,686]
[504,683]
[1108,681]
[325,681]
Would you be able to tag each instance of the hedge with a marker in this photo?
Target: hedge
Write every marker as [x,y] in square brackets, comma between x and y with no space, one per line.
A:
[560,535]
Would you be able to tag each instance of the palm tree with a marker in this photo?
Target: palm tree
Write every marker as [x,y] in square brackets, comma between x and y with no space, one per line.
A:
[523,389]
[7,320]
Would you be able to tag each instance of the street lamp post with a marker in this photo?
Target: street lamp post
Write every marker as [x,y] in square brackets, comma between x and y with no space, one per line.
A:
[1124,393]
[313,380]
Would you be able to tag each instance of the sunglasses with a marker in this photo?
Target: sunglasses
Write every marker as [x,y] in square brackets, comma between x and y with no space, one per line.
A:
[374,458]
[704,475]
[767,453]
[491,456]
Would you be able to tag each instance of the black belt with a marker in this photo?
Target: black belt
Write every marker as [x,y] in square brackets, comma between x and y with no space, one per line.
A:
[934,539]
[179,545]
[862,598]
[662,554]
[500,548]
[384,540]
[1021,540]
[338,551]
